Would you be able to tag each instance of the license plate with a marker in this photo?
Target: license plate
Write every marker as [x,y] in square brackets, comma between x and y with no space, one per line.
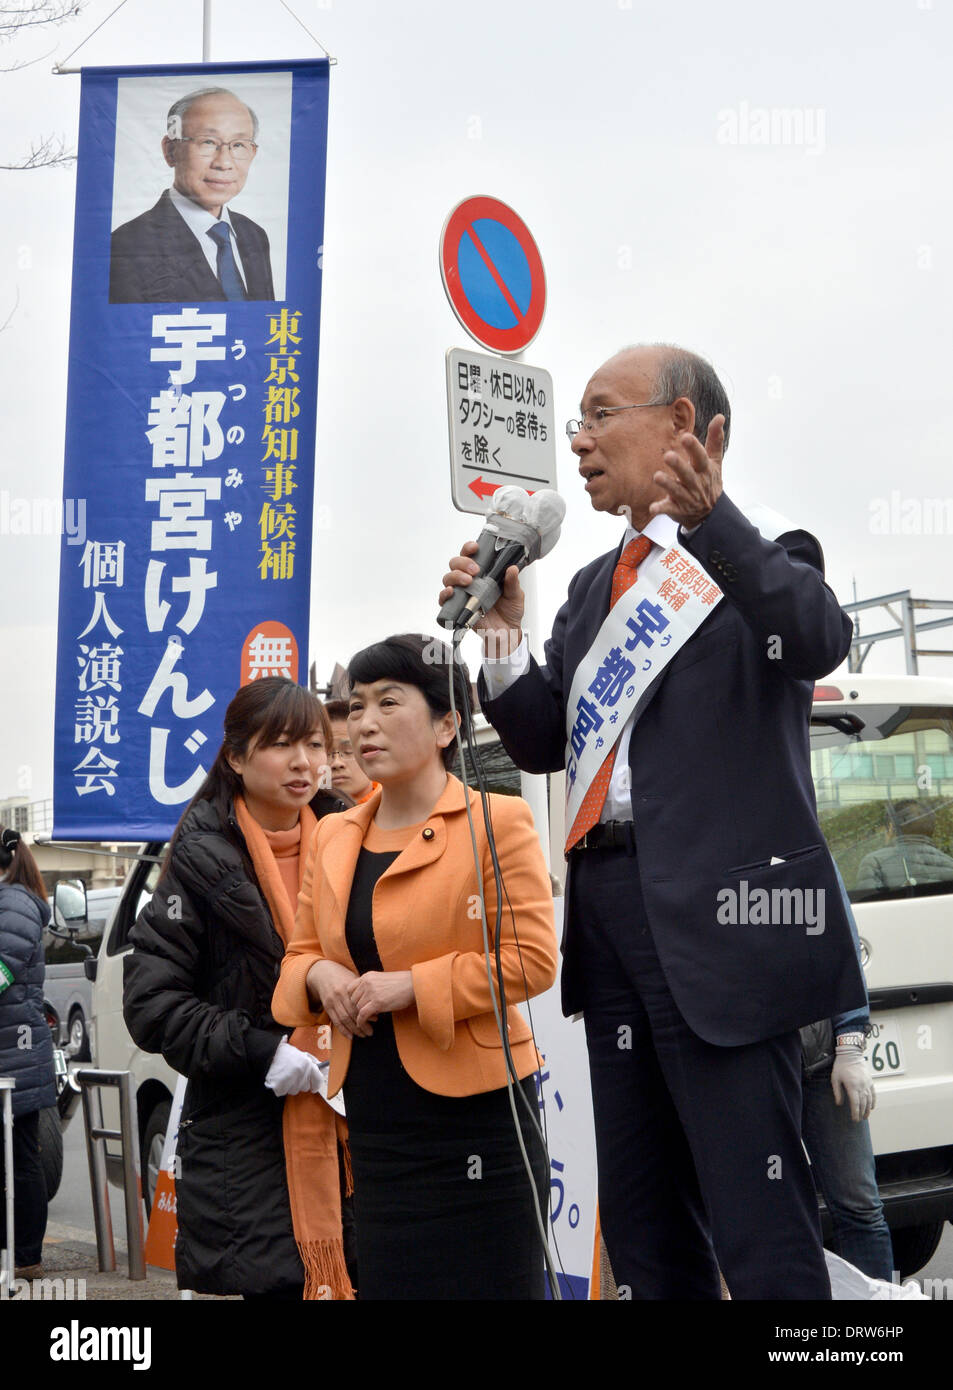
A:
[885,1048]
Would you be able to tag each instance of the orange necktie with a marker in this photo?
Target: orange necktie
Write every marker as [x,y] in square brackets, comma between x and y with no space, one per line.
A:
[624,576]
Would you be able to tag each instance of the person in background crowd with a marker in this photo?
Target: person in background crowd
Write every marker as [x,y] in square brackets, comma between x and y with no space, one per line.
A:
[389,943]
[258,1193]
[347,775]
[26,1045]
[837,1097]
[909,856]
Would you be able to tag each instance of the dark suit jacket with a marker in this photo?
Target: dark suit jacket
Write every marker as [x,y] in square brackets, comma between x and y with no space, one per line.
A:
[156,259]
[721,780]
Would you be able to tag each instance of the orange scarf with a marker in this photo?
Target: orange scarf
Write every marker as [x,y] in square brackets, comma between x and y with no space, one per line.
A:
[311,1128]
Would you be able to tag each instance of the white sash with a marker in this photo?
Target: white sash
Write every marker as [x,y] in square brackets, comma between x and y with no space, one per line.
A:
[652,621]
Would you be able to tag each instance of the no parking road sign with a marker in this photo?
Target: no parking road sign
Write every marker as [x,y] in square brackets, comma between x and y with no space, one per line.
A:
[493,274]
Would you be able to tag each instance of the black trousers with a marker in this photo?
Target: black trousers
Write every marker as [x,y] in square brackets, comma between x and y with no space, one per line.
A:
[29,1192]
[699,1147]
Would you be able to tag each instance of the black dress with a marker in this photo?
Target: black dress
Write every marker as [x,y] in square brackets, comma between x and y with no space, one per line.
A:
[443,1205]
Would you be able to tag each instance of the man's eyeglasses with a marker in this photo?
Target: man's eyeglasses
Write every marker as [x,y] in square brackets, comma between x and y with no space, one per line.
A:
[342,750]
[591,421]
[240,150]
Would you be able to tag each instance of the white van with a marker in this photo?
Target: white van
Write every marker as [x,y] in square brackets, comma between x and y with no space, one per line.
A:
[882,759]
[111,1046]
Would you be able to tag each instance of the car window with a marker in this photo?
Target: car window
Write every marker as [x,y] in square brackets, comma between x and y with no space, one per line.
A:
[149,885]
[885,798]
[137,890]
[61,952]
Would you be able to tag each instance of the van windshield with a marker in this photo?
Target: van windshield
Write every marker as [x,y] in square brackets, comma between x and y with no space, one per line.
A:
[885,798]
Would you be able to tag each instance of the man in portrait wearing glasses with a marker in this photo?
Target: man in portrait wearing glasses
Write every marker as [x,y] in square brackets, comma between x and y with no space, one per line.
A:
[190,246]
[704,924]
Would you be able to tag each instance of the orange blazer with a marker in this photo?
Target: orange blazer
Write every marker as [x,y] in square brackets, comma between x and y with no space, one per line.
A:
[427,920]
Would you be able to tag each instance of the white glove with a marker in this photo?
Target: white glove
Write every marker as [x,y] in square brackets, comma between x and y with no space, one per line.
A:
[293,1071]
[851,1076]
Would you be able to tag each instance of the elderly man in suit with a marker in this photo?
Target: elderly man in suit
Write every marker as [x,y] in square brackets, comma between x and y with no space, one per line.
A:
[190,246]
[703,919]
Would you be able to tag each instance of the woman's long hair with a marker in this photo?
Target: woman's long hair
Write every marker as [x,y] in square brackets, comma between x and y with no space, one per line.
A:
[261,712]
[16,858]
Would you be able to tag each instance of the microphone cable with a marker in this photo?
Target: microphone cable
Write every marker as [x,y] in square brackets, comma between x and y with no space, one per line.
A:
[497,987]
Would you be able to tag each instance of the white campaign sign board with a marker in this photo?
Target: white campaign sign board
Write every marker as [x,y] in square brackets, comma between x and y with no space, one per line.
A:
[502,427]
[572,1144]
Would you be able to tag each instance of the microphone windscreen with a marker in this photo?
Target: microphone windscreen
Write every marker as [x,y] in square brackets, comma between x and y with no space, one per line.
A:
[545,513]
[510,499]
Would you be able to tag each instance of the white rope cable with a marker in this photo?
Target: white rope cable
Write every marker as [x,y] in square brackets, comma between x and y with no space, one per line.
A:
[308,32]
[59,67]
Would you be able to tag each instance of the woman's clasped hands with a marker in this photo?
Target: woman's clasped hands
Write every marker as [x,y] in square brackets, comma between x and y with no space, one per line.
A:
[354,1002]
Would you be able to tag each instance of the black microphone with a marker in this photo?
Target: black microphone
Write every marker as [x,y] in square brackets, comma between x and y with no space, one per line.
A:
[519,529]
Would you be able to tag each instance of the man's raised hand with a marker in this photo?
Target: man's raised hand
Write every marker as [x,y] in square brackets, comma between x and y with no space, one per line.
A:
[691,476]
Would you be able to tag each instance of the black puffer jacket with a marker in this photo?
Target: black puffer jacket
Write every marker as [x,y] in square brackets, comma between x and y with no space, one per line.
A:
[26,1045]
[198,988]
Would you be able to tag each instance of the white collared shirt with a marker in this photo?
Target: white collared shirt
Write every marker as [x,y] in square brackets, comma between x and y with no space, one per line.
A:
[502,672]
[199,222]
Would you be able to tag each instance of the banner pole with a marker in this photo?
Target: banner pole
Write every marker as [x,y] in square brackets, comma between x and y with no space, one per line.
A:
[206,30]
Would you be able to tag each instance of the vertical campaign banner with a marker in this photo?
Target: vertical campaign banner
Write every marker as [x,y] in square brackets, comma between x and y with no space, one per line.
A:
[190,424]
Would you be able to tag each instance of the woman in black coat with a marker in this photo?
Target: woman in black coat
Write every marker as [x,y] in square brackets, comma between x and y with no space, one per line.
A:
[198,987]
[26,1046]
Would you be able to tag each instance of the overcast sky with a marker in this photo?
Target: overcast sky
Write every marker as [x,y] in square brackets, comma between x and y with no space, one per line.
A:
[816,276]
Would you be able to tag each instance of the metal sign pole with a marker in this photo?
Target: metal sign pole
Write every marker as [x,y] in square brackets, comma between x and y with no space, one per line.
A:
[131,1179]
[533,785]
[91,1081]
[7,1273]
[102,1216]
[206,30]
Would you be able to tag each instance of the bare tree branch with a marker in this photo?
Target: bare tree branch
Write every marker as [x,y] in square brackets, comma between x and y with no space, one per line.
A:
[15,18]
[48,153]
[16,304]
[18,20]
[27,62]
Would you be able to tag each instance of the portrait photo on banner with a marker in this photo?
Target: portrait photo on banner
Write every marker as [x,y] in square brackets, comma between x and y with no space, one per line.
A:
[200,187]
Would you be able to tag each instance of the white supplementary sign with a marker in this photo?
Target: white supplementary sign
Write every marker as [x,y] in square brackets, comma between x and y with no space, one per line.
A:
[502,427]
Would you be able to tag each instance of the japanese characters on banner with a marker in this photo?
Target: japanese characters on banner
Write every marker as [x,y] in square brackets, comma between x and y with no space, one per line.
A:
[638,638]
[190,424]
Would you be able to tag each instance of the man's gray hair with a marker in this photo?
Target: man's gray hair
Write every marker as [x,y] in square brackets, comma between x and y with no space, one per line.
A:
[684,373]
[178,110]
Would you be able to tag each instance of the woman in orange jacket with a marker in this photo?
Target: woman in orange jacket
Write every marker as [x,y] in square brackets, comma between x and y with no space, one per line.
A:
[388,944]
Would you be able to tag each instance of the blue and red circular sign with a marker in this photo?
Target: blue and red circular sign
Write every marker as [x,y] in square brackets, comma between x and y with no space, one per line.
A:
[493,274]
